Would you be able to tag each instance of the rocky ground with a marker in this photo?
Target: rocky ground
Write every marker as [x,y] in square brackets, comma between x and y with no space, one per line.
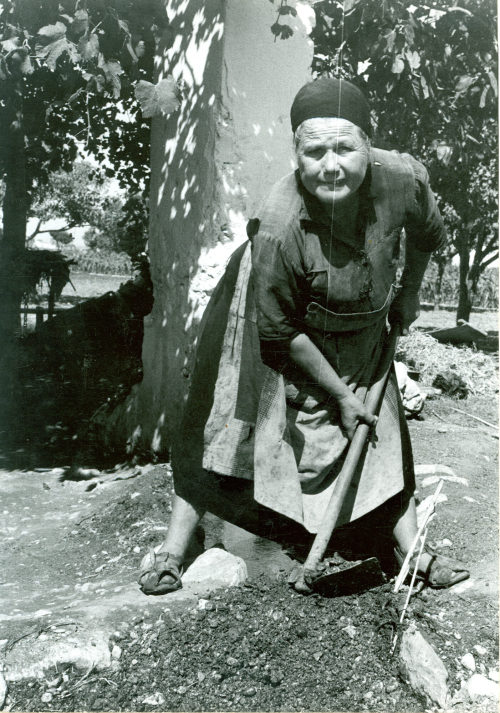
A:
[76,633]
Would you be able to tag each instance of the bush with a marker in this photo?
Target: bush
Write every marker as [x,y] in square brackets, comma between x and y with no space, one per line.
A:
[100,261]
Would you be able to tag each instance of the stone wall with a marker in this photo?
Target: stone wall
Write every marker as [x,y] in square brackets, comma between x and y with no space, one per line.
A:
[213,161]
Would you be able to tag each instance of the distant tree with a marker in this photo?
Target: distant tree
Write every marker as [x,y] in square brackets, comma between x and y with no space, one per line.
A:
[81,197]
[430,73]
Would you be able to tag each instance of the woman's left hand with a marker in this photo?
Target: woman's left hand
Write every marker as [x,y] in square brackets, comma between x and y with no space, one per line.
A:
[405,309]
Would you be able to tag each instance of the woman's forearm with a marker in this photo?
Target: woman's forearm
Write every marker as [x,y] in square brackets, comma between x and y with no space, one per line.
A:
[308,357]
[305,354]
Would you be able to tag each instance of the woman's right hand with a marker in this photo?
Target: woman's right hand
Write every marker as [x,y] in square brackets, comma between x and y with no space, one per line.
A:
[352,412]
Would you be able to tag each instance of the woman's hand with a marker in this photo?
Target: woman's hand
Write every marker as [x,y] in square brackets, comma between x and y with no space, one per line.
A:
[352,412]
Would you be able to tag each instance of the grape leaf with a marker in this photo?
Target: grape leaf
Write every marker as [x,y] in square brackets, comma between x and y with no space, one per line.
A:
[413,59]
[155,100]
[276,29]
[349,6]
[51,33]
[444,153]
[112,71]
[51,52]
[464,83]
[287,10]
[398,65]
[286,32]
[81,22]
[88,46]
[11,44]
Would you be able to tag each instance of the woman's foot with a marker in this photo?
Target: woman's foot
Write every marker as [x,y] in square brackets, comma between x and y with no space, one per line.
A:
[434,569]
[160,572]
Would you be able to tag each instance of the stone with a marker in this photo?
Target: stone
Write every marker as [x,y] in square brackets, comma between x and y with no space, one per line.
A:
[3,690]
[46,697]
[478,686]
[55,682]
[493,674]
[468,662]
[116,652]
[350,630]
[422,667]
[30,659]
[155,699]
[216,569]
[480,650]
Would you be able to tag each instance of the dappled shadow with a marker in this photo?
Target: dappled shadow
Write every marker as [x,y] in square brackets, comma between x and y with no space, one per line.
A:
[212,163]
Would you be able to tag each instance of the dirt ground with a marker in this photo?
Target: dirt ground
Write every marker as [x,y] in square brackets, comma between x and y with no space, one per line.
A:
[72,550]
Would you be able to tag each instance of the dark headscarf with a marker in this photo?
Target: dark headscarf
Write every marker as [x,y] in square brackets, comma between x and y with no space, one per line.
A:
[331,97]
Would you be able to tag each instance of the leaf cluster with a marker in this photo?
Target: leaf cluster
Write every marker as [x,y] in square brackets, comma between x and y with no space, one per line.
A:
[79,57]
[281,29]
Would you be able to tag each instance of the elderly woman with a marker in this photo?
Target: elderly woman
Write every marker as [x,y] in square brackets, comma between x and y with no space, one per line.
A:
[289,337]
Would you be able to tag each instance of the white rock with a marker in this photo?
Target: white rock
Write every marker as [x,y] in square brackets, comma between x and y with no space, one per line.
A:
[350,630]
[216,568]
[433,469]
[493,674]
[468,662]
[424,670]
[469,499]
[432,479]
[3,644]
[446,542]
[116,652]
[480,650]
[478,686]
[46,697]
[3,690]
[155,699]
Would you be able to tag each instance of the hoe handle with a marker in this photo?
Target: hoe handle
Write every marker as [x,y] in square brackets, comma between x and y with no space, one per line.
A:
[345,476]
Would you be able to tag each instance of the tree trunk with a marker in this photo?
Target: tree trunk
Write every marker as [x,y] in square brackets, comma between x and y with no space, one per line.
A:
[464,296]
[12,246]
[438,285]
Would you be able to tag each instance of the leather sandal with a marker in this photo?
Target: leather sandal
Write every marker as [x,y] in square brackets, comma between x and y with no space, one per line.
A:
[440,573]
[160,573]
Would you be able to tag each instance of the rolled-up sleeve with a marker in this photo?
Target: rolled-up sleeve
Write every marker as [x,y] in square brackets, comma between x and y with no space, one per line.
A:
[278,283]
[424,226]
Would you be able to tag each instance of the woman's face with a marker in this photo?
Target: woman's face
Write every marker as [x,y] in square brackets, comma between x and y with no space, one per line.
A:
[332,156]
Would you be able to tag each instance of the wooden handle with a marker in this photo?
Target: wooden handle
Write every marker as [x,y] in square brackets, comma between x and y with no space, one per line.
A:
[345,476]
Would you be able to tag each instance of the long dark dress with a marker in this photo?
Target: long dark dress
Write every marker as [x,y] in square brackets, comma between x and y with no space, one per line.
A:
[251,414]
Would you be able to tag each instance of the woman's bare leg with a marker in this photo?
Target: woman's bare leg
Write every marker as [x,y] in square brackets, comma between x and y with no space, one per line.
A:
[405,530]
[183,523]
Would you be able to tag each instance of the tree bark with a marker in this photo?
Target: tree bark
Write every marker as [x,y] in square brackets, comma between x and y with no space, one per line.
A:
[438,285]
[12,246]
[464,296]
